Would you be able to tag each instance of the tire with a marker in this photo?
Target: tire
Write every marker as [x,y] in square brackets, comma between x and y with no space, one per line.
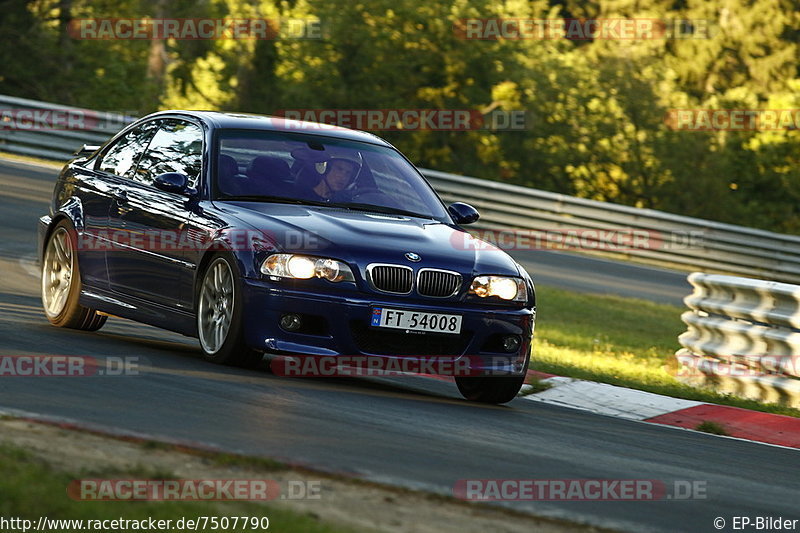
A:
[219,315]
[491,389]
[61,283]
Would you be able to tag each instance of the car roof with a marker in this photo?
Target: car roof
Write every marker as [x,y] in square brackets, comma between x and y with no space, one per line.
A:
[248,121]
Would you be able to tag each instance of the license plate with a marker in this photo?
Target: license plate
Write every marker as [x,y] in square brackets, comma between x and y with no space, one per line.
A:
[384,317]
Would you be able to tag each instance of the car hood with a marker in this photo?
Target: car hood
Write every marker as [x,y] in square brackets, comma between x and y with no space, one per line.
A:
[361,237]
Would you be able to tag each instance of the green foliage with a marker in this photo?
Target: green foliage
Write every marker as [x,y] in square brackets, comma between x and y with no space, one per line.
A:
[709,426]
[596,110]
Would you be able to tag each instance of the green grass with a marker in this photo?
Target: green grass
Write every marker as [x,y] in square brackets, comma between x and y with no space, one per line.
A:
[535,385]
[709,426]
[621,341]
[30,489]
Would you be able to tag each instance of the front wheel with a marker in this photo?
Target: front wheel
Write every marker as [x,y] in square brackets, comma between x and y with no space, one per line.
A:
[219,315]
[61,284]
[491,389]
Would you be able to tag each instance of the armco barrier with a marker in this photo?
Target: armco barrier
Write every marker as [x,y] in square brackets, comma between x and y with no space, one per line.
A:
[742,337]
[690,243]
[24,132]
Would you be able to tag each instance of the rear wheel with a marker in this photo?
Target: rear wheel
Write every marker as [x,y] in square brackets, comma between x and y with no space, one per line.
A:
[61,284]
[491,389]
[219,315]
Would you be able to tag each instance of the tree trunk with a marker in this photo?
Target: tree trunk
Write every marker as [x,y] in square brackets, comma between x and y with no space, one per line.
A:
[157,57]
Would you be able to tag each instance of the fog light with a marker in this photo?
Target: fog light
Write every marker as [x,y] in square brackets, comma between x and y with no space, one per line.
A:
[291,322]
[511,343]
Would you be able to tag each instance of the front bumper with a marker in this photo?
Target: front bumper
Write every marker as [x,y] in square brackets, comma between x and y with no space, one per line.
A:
[341,327]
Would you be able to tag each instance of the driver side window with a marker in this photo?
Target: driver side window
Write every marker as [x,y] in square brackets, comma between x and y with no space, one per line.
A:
[122,157]
[176,147]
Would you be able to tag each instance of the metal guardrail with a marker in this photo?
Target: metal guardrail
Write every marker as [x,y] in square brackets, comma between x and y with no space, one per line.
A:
[56,131]
[686,242]
[537,216]
[742,337]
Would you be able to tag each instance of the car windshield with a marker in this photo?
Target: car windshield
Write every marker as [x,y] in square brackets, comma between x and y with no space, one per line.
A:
[288,167]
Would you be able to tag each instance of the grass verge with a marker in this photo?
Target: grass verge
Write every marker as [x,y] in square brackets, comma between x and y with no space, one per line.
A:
[32,489]
[709,426]
[620,341]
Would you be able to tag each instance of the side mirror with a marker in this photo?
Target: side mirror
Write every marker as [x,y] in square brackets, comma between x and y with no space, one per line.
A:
[172,182]
[463,213]
[86,149]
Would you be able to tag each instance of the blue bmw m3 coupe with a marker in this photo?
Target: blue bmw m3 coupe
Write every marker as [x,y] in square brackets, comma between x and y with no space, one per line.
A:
[259,235]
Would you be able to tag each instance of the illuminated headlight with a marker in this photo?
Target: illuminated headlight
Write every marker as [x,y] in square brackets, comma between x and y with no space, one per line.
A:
[511,289]
[306,267]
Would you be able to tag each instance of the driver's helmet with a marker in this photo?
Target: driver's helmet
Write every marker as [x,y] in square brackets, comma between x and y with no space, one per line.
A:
[353,159]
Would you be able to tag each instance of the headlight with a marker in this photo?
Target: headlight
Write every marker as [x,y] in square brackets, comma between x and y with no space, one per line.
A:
[306,267]
[511,289]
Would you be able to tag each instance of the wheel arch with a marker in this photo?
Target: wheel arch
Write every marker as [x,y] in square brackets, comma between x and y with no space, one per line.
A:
[244,258]
[216,249]
[72,212]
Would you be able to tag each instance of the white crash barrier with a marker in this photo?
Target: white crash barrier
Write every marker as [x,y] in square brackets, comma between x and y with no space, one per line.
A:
[742,337]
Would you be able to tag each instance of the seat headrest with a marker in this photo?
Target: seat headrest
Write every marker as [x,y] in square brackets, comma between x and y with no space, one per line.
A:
[227,167]
[265,166]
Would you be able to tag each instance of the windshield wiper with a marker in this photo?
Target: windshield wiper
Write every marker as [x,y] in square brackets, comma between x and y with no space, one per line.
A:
[380,209]
[276,199]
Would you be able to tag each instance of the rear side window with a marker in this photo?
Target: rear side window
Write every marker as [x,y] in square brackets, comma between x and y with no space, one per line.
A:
[121,158]
[177,146]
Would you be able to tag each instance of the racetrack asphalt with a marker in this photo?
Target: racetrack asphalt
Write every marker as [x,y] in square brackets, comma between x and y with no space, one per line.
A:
[410,432]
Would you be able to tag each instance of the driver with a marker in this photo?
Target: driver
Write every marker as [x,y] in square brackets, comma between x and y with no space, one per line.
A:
[341,173]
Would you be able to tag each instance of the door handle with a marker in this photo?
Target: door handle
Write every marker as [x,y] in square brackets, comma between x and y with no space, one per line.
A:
[120,196]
